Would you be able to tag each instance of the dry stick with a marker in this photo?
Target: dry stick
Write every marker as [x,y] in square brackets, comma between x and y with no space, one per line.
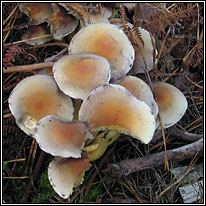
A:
[185,136]
[28,68]
[35,174]
[164,141]
[30,154]
[34,153]
[57,56]
[129,166]
[8,17]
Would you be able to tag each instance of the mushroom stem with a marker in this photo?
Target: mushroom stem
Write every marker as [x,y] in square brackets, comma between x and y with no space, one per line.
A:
[28,68]
[99,146]
[77,105]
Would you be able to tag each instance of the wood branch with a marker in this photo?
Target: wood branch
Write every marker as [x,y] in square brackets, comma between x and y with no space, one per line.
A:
[28,68]
[129,166]
[57,56]
[185,136]
[177,133]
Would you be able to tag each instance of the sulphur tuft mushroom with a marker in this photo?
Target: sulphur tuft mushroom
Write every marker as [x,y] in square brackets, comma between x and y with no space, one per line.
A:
[65,174]
[61,23]
[37,35]
[36,97]
[139,89]
[38,12]
[113,107]
[105,40]
[61,138]
[172,103]
[143,52]
[78,74]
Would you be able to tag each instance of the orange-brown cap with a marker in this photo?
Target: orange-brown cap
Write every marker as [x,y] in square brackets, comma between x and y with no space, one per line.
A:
[61,138]
[38,12]
[105,40]
[113,107]
[40,33]
[64,174]
[141,90]
[78,74]
[171,101]
[61,23]
[36,97]
[147,52]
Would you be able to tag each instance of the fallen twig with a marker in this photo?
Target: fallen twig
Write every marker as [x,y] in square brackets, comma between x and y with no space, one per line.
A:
[185,136]
[57,56]
[129,166]
[179,134]
[28,68]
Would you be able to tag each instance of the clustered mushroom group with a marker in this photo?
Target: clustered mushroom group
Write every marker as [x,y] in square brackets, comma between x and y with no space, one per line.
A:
[95,72]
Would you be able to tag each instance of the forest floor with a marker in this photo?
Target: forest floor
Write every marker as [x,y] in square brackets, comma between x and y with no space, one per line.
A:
[178,32]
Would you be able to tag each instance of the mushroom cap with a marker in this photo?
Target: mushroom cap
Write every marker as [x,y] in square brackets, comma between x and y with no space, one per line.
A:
[141,90]
[171,101]
[99,15]
[36,97]
[62,23]
[78,74]
[113,107]
[146,50]
[105,40]
[64,173]
[39,12]
[61,138]
[41,32]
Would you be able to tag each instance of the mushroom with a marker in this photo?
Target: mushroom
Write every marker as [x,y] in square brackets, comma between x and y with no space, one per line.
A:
[105,40]
[38,12]
[61,23]
[146,50]
[172,103]
[113,107]
[100,15]
[78,74]
[65,174]
[102,141]
[36,97]
[39,34]
[61,138]
[141,90]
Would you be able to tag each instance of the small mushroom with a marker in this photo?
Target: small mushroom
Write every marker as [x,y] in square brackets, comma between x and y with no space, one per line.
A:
[105,40]
[172,103]
[38,12]
[61,138]
[36,97]
[61,23]
[78,74]
[146,50]
[141,90]
[113,107]
[65,174]
[100,15]
[40,33]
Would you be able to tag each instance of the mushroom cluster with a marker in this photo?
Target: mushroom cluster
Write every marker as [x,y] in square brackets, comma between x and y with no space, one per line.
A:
[49,21]
[94,72]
